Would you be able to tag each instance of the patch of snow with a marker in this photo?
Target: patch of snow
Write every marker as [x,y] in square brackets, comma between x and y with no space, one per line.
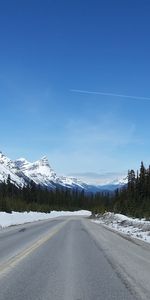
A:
[137,228]
[16,218]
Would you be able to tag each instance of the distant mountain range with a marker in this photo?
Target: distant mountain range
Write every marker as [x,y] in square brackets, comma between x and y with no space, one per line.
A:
[21,172]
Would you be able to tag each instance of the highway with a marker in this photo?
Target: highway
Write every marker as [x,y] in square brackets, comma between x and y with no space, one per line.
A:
[72,259]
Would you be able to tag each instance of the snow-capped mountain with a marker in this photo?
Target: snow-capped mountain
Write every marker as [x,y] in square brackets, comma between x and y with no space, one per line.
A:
[8,167]
[114,184]
[40,172]
[108,181]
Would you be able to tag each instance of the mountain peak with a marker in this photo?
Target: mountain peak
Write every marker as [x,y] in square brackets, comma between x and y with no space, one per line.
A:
[44,161]
[8,167]
[2,155]
[22,171]
[5,160]
[21,163]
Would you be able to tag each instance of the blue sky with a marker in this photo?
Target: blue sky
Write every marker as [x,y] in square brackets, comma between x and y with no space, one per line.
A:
[50,48]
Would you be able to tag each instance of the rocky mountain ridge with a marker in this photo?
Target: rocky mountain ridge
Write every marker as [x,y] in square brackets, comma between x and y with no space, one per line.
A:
[41,173]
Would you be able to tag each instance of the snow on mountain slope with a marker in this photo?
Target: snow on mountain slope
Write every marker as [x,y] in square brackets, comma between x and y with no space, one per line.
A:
[4,160]
[7,167]
[40,172]
[114,184]
[108,181]
[120,181]
[72,182]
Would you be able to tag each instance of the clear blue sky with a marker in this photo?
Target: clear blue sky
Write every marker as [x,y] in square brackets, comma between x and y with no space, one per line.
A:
[48,48]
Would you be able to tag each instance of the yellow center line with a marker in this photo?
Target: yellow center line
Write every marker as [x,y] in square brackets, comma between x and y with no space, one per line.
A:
[12,262]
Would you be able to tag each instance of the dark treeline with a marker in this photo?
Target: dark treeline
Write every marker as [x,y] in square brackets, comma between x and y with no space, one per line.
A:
[133,199]
[35,198]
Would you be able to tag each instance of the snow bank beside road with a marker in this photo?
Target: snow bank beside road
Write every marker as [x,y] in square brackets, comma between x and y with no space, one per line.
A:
[25,217]
[132,227]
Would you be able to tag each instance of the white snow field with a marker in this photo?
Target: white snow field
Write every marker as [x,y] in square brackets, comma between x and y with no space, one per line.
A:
[138,228]
[16,218]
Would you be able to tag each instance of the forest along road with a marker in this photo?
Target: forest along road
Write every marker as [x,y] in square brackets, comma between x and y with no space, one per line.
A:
[72,259]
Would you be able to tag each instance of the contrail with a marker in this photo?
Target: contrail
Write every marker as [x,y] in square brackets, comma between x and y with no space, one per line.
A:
[108,94]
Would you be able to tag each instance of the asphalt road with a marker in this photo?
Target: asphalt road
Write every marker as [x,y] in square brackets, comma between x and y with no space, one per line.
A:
[72,259]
